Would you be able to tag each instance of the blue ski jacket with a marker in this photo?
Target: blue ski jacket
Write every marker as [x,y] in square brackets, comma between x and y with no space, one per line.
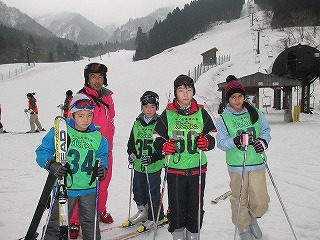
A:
[225,141]
[46,152]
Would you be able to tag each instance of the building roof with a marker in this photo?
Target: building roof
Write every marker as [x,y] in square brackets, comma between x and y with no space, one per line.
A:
[211,50]
[263,80]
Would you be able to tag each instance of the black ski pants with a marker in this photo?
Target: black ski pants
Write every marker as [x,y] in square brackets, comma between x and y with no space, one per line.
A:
[141,192]
[183,199]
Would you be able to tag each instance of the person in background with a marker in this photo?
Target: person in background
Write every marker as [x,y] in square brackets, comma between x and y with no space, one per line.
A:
[145,160]
[240,119]
[95,87]
[80,170]
[1,126]
[184,132]
[65,106]
[33,111]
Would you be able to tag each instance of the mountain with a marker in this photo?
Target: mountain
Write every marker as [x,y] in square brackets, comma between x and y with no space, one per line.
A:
[73,26]
[129,30]
[14,18]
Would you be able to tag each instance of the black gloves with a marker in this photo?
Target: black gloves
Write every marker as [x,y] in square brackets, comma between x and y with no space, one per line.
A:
[146,160]
[260,145]
[101,173]
[57,169]
[132,157]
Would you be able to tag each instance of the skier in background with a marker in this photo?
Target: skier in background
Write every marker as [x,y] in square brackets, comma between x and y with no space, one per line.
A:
[65,106]
[144,158]
[1,126]
[95,87]
[185,130]
[33,111]
[81,161]
[238,118]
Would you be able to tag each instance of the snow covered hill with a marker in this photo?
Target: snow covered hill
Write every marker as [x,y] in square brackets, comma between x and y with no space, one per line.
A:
[293,151]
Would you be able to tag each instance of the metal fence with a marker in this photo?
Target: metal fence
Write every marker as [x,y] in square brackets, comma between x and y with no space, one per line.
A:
[201,68]
[15,72]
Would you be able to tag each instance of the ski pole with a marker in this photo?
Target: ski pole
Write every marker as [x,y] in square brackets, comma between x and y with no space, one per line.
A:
[27,115]
[150,196]
[200,193]
[54,195]
[130,166]
[244,139]
[97,198]
[278,194]
[161,196]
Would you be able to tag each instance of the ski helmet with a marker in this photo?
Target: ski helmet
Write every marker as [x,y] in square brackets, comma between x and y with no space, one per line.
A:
[150,97]
[185,81]
[81,102]
[95,68]
[69,93]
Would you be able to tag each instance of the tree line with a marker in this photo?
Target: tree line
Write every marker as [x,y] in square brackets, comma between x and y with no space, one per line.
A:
[292,13]
[181,25]
[20,46]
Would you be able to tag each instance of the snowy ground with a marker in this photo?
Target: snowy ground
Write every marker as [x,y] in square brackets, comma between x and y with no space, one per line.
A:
[293,152]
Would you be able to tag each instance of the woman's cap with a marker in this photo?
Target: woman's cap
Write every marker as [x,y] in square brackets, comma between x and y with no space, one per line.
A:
[233,86]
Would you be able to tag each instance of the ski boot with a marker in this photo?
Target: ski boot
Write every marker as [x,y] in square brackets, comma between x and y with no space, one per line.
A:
[150,224]
[106,217]
[74,230]
[140,216]
[255,229]
[191,236]
[178,234]
[245,234]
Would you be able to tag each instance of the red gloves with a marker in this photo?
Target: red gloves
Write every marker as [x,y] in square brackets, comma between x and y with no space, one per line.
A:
[168,148]
[202,143]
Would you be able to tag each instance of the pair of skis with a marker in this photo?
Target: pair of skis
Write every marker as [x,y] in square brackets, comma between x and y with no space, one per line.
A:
[60,137]
[129,235]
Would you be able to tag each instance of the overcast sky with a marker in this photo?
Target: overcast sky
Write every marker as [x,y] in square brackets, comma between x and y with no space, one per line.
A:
[101,12]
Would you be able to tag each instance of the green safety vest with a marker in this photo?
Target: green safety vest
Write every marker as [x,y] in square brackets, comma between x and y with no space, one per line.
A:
[184,130]
[144,146]
[81,156]
[236,124]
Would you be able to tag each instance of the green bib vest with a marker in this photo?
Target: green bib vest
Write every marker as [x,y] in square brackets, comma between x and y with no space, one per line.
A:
[185,129]
[81,156]
[236,124]
[144,146]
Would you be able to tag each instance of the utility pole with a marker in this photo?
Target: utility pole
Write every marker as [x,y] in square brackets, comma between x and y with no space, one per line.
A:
[28,58]
[258,40]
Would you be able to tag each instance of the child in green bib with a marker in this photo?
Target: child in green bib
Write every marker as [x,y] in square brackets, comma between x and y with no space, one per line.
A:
[245,162]
[147,165]
[85,145]
[184,132]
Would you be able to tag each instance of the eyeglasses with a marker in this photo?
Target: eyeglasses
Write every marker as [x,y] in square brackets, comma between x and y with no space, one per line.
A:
[97,68]
[183,80]
[83,104]
[149,99]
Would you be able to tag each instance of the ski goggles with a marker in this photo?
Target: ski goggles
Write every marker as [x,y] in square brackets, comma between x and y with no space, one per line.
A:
[149,99]
[97,68]
[83,104]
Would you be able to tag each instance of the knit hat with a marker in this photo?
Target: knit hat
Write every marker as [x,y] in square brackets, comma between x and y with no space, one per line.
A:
[30,94]
[183,80]
[233,86]
[81,102]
